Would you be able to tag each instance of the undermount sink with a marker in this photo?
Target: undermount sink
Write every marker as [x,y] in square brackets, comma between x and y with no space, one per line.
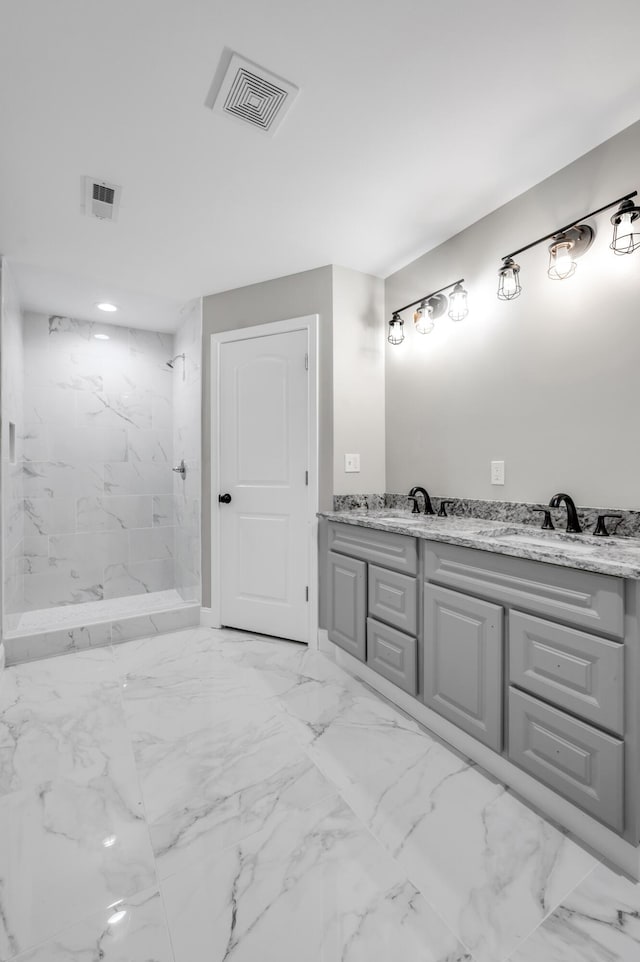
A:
[548,539]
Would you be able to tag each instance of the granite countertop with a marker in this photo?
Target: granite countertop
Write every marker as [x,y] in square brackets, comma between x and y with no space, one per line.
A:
[611,556]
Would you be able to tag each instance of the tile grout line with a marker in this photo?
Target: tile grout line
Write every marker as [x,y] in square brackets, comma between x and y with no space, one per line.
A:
[551,911]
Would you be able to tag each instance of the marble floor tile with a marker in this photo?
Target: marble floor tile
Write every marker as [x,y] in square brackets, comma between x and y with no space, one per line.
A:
[490,866]
[314,886]
[216,806]
[284,810]
[68,848]
[63,717]
[599,921]
[130,930]
[169,658]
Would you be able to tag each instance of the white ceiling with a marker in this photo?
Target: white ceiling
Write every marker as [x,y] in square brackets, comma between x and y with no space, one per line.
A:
[414,119]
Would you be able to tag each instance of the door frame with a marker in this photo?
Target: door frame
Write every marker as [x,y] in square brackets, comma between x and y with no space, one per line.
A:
[308,323]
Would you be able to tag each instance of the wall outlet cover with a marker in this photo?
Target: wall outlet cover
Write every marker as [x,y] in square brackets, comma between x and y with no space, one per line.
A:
[497,472]
[351,463]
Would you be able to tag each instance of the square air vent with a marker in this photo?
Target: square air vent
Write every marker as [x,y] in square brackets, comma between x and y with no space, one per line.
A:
[251,94]
[101,199]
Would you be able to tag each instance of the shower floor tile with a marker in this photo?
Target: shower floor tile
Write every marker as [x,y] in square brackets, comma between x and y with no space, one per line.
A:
[91,612]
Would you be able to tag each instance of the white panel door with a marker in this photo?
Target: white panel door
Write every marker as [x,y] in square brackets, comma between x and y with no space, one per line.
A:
[264,529]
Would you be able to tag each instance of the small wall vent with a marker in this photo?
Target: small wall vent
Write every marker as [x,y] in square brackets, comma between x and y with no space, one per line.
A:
[101,199]
[252,94]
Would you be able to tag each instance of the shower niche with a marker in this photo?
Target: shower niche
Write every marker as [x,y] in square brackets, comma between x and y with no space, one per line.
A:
[100,536]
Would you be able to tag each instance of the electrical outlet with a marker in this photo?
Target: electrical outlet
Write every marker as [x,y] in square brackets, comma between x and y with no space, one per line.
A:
[497,472]
[351,463]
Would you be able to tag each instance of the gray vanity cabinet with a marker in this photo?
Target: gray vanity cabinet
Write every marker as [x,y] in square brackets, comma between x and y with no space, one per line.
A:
[463,662]
[536,661]
[372,600]
[347,604]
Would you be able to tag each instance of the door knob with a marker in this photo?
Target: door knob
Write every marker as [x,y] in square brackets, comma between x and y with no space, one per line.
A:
[224,498]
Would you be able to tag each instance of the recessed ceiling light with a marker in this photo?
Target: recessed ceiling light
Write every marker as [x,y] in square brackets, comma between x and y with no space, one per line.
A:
[105,306]
[101,337]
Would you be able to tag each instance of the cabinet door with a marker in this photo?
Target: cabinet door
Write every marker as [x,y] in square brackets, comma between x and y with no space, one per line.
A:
[347,604]
[463,662]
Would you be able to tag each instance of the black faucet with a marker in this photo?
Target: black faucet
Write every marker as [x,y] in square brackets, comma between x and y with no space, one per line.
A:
[573,524]
[428,507]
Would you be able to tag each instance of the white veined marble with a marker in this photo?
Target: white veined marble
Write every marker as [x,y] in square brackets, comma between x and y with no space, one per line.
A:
[70,616]
[214,795]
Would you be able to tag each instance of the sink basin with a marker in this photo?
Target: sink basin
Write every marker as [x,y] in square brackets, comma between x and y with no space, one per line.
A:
[559,539]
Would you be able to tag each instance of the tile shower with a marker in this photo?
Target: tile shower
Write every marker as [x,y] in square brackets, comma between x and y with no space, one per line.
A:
[100,539]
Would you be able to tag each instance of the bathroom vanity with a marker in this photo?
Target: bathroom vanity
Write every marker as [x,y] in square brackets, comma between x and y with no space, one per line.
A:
[525,641]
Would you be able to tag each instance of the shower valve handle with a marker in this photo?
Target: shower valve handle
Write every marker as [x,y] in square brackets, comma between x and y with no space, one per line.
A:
[224,498]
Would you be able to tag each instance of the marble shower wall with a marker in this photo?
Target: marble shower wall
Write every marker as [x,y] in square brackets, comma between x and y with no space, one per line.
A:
[12,413]
[187,402]
[99,502]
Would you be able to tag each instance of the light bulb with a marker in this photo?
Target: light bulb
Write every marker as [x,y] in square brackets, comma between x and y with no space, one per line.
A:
[423,319]
[396,330]
[509,283]
[509,286]
[561,263]
[458,309]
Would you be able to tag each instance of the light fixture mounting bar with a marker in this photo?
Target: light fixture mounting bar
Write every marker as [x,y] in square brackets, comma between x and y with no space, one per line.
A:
[425,297]
[573,223]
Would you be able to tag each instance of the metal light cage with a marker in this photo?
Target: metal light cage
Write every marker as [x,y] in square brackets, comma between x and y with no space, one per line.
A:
[396,330]
[458,309]
[626,239]
[509,286]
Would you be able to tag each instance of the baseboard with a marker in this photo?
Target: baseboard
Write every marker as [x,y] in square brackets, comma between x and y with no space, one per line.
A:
[206,618]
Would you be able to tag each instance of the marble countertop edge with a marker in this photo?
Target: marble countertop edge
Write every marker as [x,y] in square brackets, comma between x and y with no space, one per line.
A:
[619,557]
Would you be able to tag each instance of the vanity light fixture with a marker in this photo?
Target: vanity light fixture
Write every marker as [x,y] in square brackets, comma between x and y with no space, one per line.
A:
[565,247]
[509,285]
[105,306]
[626,237]
[396,329]
[571,242]
[431,307]
[458,309]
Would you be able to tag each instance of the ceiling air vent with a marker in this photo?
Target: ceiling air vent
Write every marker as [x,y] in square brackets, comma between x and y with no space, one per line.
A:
[250,93]
[101,199]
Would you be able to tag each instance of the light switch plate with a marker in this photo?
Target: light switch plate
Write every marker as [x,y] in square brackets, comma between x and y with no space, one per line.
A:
[351,463]
[497,472]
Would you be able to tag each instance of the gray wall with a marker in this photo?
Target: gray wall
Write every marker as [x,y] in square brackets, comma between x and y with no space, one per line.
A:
[358,380]
[297,295]
[549,382]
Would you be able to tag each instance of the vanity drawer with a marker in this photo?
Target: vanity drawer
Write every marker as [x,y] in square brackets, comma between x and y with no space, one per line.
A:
[393,598]
[571,757]
[582,598]
[576,671]
[385,548]
[393,655]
